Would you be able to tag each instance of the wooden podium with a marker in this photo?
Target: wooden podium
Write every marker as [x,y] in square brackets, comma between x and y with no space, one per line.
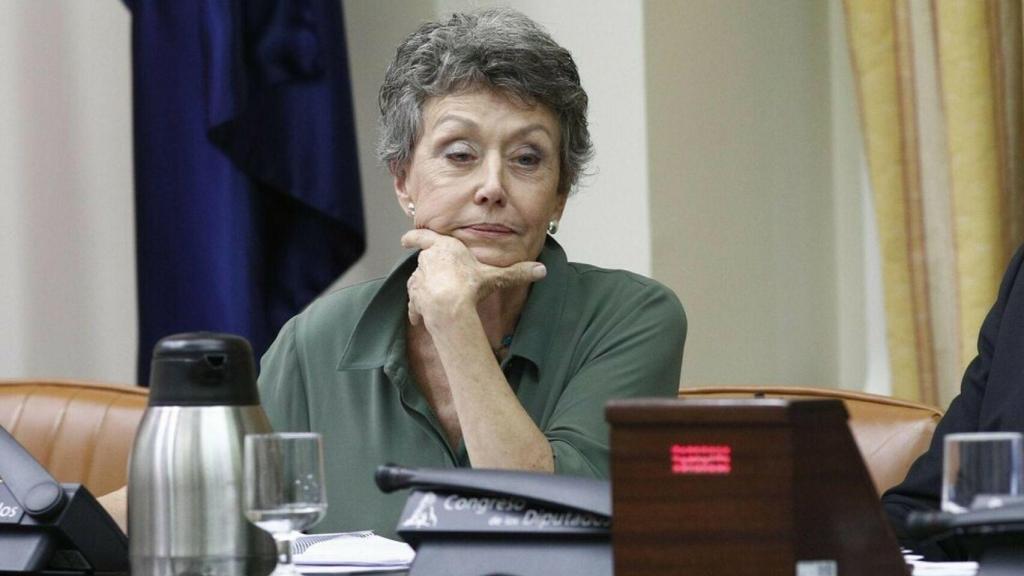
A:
[737,487]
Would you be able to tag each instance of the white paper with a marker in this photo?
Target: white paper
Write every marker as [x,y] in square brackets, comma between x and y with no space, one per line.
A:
[919,567]
[922,568]
[360,550]
[305,569]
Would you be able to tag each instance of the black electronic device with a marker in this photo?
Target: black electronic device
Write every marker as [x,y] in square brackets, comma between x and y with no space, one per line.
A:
[994,536]
[467,522]
[51,528]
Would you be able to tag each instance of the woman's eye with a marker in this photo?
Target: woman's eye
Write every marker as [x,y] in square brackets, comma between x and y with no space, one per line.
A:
[528,160]
[459,154]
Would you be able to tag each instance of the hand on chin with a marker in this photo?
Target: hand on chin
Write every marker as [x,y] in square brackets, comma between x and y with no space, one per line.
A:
[451,277]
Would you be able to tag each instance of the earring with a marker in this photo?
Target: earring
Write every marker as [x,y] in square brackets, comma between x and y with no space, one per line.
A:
[412,210]
[552,226]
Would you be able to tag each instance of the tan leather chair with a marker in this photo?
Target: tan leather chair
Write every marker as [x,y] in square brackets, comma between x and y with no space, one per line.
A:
[890,433]
[81,432]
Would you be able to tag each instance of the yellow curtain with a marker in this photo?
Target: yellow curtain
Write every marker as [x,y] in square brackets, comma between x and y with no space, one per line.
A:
[939,89]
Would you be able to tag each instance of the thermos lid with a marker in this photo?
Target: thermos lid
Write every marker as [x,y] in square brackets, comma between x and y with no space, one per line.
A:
[203,369]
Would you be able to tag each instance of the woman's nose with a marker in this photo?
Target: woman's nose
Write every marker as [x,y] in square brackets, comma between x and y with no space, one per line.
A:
[492,187]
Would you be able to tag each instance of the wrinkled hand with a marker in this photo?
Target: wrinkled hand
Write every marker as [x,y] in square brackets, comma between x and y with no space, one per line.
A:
[449,279]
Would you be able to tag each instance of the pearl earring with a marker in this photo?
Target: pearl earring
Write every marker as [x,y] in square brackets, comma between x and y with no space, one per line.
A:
[552,227]
[412,210]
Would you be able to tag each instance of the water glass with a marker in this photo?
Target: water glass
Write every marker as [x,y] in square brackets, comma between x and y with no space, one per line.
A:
[980,469]
[284,487]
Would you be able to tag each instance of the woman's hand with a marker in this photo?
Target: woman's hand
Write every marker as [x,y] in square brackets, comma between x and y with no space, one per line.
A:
[449,280]
[444,292]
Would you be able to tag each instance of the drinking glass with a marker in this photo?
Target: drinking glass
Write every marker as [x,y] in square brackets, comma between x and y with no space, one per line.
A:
[980,470]
[284,487]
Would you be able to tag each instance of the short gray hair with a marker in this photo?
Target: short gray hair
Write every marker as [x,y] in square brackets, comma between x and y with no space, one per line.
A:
[497,48]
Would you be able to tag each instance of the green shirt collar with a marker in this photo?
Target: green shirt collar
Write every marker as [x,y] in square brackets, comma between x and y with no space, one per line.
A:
[384,317]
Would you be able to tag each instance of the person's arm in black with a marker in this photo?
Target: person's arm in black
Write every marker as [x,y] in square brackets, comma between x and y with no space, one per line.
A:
[921,490]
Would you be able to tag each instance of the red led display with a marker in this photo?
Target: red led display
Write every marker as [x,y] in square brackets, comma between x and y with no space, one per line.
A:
[701,458]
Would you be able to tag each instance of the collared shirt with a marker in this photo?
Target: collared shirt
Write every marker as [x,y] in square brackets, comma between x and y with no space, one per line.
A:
[586,335]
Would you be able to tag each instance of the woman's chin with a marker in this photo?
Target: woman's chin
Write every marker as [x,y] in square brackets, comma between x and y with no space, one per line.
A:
[495,257]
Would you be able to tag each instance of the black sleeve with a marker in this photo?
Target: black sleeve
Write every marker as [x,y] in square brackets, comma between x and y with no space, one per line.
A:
[920,490]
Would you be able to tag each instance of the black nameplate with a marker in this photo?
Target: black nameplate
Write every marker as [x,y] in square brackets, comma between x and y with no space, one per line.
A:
[436,511]
[10,510]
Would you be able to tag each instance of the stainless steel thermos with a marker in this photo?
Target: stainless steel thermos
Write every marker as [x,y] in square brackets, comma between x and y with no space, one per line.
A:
[185,513]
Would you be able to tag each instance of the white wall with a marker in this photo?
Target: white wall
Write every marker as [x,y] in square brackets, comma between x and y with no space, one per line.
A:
[67,268]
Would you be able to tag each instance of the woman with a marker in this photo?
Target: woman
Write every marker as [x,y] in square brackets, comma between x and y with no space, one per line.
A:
[485,348]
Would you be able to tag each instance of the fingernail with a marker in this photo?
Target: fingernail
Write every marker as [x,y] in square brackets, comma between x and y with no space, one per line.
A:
[539,271]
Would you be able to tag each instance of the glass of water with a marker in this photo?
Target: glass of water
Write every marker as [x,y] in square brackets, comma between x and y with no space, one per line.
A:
[980,470]
[284,487]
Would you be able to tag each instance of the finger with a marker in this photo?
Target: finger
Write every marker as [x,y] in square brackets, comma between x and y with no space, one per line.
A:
[414,314]
[515,275]
[410,286]
[420,238]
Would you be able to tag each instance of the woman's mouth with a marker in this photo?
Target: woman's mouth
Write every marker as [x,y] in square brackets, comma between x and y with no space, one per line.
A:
[489,230]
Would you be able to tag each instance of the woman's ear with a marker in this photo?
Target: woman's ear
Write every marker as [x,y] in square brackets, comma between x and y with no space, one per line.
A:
[399,178]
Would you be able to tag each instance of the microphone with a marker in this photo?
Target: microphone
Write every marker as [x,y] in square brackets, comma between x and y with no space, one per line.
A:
[29,483]
[1008,518]
[582,494]
[391,477]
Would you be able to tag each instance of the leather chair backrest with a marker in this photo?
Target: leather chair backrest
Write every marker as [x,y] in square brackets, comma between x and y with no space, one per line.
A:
[81,432]
[890,433]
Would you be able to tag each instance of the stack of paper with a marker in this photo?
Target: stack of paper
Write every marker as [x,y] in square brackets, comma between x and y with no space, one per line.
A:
[920,567]
[350,552]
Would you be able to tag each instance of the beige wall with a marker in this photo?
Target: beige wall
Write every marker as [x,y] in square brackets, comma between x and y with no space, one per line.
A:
[742,192]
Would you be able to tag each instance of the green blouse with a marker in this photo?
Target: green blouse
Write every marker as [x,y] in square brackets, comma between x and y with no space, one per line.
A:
[586,335]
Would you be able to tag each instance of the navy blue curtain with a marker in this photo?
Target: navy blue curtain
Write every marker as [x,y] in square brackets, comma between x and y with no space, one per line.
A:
[247,194]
